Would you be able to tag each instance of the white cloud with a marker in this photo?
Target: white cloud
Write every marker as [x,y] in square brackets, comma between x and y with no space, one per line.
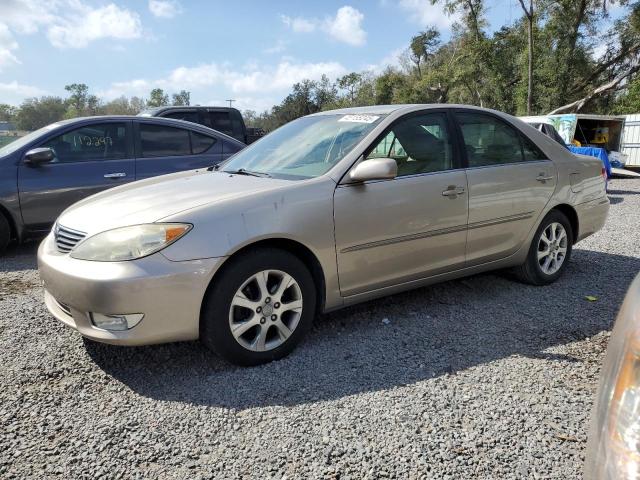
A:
[345,26]
[393,59]
[14,92]
[7,46]
[425,13]
[249,82]
[67,24]
[165,8]
[279,47]
[91,24]
[299,24]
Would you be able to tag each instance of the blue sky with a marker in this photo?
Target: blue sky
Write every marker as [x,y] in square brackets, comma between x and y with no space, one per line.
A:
[251,51]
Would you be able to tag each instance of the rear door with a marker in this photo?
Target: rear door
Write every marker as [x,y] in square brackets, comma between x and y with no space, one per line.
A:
[88,159]
[162,149]
[510,182]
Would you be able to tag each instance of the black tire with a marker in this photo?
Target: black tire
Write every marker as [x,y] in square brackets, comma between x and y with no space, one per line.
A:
[215,329]
[5,233]
[531,271]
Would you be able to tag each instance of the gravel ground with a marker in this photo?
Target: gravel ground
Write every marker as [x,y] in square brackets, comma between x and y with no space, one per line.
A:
[476,378]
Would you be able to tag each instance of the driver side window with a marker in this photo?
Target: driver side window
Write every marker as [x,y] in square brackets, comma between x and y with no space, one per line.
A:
[101,141]
[419,144]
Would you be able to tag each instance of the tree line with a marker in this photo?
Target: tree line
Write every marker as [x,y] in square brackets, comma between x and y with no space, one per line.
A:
[34,113]
[554,58]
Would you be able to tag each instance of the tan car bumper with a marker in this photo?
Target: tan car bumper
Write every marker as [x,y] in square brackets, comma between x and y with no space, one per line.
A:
[169,294]
[592,216]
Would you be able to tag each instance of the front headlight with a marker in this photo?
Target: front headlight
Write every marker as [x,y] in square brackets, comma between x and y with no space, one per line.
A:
[613,451]
[129,243]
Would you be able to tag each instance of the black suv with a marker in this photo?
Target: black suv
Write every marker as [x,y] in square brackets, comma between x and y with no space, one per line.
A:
[223,119]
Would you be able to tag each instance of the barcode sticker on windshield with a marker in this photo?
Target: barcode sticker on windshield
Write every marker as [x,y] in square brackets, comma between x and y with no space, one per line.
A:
[359,118]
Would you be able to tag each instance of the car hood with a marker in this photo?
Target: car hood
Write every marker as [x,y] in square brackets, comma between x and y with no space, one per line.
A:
[151,200]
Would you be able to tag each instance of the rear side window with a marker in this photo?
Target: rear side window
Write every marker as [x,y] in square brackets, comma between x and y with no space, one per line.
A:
[101,141]
[163,141]
[187,116]
[201,143]
[221,121]
[489,141]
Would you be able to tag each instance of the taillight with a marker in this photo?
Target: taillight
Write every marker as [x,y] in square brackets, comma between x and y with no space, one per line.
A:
[603,173]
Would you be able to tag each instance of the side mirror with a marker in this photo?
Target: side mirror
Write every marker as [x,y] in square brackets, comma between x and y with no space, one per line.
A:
[374,169]
[36,156]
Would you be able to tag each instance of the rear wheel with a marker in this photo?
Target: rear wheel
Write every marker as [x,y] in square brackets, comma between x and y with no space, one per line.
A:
[549,252]
[5,233]
[259,307]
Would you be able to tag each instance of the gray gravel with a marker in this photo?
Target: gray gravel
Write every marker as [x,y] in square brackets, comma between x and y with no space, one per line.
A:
[481,377]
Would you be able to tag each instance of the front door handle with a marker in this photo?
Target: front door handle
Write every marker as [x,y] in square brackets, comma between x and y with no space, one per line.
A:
[453,191]
[115,175]
[543,178]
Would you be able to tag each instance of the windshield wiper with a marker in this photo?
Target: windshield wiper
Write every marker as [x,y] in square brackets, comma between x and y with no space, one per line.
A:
[244,171]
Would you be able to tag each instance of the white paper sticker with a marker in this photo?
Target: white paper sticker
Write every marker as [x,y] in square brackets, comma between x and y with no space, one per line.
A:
[359,118]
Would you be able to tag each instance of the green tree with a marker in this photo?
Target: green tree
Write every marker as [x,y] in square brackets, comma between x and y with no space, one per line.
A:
[138,104]
[7,112]
[158,98]
[80,102]
[181,99]
[35,113]
[350,83]
[422,47]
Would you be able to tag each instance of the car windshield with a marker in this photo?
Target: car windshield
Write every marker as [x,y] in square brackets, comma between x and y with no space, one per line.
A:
[305,148]
[22,141]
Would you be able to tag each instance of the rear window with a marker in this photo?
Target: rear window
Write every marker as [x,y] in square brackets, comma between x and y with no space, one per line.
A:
[186,116]
[221,121]
[201,143]
[163,141]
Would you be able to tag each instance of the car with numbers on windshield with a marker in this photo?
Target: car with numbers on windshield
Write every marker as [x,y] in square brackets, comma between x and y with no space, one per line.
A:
[332,209]
[48,170]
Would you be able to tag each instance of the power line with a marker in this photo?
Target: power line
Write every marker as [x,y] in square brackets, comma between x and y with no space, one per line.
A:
[230,100]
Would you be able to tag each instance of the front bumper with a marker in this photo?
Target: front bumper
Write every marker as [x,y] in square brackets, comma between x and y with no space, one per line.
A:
[168,293]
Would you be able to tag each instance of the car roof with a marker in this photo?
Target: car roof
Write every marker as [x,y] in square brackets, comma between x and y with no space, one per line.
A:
[399,108]
[155,110]
[157,120]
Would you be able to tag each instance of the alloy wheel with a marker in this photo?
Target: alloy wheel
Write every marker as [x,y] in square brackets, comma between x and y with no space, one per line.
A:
[552,248]
[265,310]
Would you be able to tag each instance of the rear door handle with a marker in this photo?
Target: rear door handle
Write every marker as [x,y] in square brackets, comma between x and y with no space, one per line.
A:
[453,191]
[115,175]
[543,178]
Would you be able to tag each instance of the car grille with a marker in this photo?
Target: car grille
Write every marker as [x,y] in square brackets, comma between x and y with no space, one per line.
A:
[67,238]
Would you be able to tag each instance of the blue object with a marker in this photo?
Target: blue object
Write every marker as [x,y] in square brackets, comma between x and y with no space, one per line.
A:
[600,153]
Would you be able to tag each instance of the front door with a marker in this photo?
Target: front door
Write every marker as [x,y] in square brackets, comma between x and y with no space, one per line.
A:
[414,226]
[510,183]
[87,160]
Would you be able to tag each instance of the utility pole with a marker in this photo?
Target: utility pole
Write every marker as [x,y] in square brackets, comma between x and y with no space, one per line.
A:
[230,100]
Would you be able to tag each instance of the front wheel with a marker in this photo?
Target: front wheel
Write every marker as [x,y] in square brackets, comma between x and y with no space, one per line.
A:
[259,307]
[549,252]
